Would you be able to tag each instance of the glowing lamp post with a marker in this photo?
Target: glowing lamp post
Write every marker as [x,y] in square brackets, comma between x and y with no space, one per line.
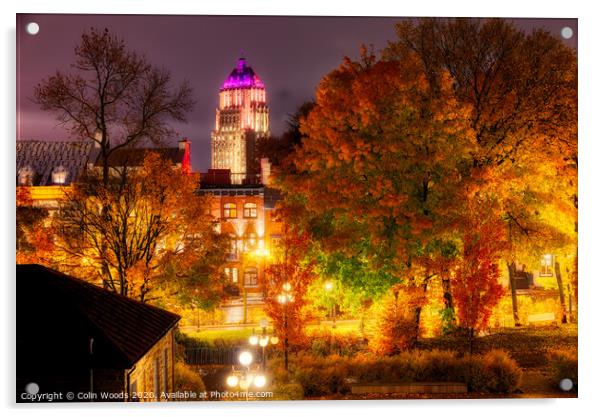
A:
[284,298]
[263,341]
[329,286]
[245,378]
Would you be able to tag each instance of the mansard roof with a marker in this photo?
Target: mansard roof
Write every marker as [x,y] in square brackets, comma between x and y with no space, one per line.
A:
[41,158]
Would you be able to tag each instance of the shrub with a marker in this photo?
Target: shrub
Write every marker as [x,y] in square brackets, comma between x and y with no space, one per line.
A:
[291,391]
[503,373]
[436,365]
[563,363]
[187,379]
[320,347]
[321,376]
[493,372]
[325,343]
[396,328]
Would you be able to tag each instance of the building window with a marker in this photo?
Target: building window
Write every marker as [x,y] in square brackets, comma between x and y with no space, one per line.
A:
[230,211]
[232,274]
[250,242]
[250,211]
[25,176]
[59,175]
[250,277]
[233,246]
[546,265]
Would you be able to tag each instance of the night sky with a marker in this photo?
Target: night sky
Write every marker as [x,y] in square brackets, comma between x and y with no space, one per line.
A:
[290,55]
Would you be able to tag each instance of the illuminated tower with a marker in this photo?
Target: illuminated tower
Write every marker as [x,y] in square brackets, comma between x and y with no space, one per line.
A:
[240,120]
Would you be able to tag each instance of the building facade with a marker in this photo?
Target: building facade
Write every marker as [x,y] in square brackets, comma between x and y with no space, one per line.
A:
[242,117]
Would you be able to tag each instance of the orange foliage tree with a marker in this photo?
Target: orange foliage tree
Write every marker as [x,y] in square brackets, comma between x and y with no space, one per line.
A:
[475,282]
[145,235]
[34,243]
[289,276]
[395,329]
[381,167]
[521,92]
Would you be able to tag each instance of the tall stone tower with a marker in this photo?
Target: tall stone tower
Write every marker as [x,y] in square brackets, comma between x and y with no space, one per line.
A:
[240,120]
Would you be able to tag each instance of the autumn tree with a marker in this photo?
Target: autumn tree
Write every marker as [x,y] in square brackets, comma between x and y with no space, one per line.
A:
[289,276]
[33,241]
[381,166]
[395,330]
[148,226]
[521,92]
[114,97]
[277,148]
[475,282]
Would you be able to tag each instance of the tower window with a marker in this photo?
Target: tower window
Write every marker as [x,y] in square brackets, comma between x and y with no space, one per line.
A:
[230,211]
[250,210]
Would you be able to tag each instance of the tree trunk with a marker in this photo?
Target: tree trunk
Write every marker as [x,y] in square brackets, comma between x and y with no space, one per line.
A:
[417,312]
[470,340]
[511,274]
[560,292]
[447,295]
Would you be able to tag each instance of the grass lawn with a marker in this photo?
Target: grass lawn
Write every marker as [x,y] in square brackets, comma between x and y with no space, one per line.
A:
[527,345]
[240,335]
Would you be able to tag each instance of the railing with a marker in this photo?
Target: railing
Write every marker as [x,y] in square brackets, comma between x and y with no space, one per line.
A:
[212,356]
[223,177]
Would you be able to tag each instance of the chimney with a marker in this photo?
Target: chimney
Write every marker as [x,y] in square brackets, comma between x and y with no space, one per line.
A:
[184,145]
[265,171]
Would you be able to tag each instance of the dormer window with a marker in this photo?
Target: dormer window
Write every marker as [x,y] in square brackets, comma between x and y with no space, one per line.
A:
[59,175]
[25,176]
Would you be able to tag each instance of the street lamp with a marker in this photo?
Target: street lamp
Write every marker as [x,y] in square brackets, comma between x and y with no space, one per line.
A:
[263,341]
[244,377]
[245,358]
[284,298]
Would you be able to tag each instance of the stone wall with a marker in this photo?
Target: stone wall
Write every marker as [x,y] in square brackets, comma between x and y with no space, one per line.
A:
[153,373]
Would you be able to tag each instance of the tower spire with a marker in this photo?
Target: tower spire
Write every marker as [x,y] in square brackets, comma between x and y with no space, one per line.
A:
[242,62]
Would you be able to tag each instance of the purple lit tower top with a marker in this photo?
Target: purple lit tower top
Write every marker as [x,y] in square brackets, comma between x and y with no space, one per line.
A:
[242,77]
[242,118]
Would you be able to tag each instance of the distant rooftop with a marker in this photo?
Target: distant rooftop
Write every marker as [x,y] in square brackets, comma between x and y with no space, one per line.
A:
[133,157]
[61,163]
[39,159]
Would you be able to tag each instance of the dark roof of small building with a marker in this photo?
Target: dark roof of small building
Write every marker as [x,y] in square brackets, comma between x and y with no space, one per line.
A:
[135,156]
[41,158]
[127,328]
